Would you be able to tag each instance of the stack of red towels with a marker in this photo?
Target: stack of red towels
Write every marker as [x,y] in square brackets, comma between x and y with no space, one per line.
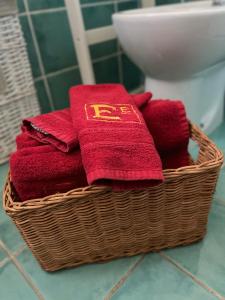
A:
[106,137]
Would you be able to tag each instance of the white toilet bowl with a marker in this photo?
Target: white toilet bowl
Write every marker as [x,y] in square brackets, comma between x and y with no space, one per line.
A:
[181,50]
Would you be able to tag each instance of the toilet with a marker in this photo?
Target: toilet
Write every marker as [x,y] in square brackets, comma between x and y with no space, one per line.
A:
[181,50]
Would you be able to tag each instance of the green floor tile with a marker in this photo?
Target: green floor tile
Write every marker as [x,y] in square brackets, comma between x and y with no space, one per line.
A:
[3,172]
[218,136]
[10,235]
[220,188]
[157,279]
[8,231]
[2,255]
[13,286]
[206,259]
[88,282]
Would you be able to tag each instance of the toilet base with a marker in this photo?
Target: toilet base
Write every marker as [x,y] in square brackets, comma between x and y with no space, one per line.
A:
[203,95]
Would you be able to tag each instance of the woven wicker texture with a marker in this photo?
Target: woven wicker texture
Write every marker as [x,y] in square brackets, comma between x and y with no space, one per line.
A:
[17,94]
[95,224]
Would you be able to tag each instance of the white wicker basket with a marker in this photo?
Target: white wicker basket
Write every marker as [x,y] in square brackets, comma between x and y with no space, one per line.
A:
[17,93]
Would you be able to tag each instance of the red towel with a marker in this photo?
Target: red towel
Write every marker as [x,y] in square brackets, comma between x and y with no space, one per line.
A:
[41,170]
[56,128]
[116,147]
[23,140]
[168,124]
[53,128]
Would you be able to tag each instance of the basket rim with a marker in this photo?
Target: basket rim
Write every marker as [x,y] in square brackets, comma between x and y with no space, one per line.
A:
[80,194]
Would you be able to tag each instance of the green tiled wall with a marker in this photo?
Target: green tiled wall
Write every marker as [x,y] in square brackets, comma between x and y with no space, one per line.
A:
[52,55]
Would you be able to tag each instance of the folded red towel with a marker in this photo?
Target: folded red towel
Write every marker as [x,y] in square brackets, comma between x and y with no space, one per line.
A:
[168,124]
[56,128]
[116,147]
[38,171]
[23,140]
[53,128]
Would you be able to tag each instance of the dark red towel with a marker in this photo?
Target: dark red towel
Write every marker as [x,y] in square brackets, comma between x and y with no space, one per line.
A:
[116,147]
[168,124]
[41,170]
[55,128]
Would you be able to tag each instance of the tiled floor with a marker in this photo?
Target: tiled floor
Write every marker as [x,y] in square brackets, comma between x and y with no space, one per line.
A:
[195,272]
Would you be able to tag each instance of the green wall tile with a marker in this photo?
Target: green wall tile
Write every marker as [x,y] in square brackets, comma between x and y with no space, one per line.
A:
[30,46]
[59,86]
[98,16]
[103,49]
[20,6]
[132,76]
[128,5]
[92,1]
[165,2]
[42,96]
[107,70]
[44,4]
[55,40]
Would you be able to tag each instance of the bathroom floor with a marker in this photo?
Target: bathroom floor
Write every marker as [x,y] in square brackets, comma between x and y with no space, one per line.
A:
[193,272]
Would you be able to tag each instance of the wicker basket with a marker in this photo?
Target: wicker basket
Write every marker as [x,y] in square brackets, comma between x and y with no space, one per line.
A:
[17,93]
[94,224]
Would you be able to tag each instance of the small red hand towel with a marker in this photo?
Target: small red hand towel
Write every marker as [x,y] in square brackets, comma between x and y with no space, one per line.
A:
[116,147]
[55,128]
[52,128]
[168,124]
[41,170]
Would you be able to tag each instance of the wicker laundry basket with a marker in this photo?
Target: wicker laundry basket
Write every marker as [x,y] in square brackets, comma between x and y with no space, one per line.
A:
[94,224]
[17,93]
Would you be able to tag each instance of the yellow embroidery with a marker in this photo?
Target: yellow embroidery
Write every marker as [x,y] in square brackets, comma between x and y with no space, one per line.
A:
[125,110]
[122,113]
[104,111]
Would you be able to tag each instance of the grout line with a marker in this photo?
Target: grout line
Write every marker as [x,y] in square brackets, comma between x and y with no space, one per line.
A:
[71,68]
[4,261]
[19,267]
[137,90]
[46,10]
[38,53]
[189,274]
[56,73]
[118,285]
[63,8]
[96,60]
[102,3]
[15,253]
